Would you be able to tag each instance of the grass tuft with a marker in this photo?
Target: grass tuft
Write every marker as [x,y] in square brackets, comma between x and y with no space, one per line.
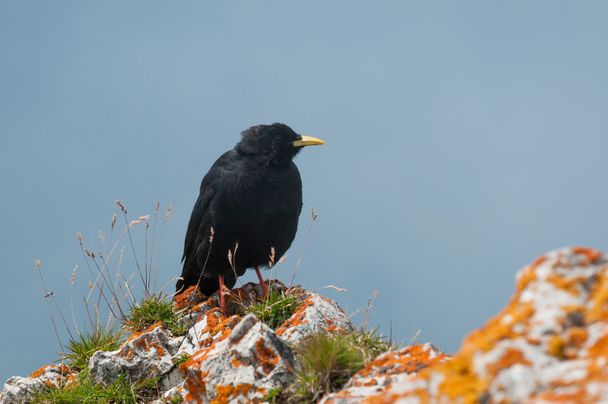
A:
[329,361]
[273,396]
[154,309]
[84,390]
[275,308]
[80,350]
[370,342]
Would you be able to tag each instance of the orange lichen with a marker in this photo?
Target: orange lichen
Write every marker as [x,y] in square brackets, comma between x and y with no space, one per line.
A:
[460,382]
[510,357]
[225,393]
[556,346]
[49,384]
[408,360]
[574,338]
[577,396]
[538,261]
[189,297]
[62,369]
[298,318]
[267,358]
[599,299]
[196,388]
[498,328]
[128,353]
[235,362]
[527,276]
[592,255]
[145,344]
[216,324]
[370,382]
[570,285]
[140,333]
[39,372]
[600,347]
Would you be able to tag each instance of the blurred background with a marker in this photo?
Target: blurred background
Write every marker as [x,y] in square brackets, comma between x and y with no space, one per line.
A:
[463,140]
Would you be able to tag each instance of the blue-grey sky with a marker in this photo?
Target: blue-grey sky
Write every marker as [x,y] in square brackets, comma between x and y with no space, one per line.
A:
[463,139]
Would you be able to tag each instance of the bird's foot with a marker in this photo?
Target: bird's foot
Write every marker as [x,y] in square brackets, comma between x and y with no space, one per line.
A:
[222,291]
[262,283]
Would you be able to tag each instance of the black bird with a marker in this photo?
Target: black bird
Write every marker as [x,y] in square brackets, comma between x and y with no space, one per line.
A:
[247,210]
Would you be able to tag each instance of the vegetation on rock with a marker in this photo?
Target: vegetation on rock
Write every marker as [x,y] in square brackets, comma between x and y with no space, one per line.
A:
[155,308]
[84,390]
[276,308]
[80,350]
[328,361]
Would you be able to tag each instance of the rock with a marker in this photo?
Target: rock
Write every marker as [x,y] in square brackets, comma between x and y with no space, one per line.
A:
[316,314]
[144,355]
[236,364]
[549,344]
[188,298]
[21,389]
[173,395]
[211,326]
[383,374]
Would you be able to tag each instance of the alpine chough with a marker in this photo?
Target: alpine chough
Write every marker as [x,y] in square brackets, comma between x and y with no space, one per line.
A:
[247,210]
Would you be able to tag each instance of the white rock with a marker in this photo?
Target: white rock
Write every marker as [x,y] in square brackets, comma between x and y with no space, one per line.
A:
[21,389]
[315,315]
[145,356]
[240,367]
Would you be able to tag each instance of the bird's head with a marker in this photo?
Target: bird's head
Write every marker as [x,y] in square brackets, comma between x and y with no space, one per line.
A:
[274,144]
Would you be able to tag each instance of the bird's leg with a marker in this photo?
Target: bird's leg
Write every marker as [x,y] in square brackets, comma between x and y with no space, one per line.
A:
[262,284]
[223,305]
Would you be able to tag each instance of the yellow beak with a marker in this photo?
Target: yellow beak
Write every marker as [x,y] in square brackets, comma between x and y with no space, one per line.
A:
[308,141]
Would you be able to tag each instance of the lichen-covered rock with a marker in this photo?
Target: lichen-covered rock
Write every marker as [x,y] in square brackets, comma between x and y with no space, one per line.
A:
[387,371]
[21,389]
[144,355]
[236,363]
[211,326]
[188,298]
[315,315]
[550,343]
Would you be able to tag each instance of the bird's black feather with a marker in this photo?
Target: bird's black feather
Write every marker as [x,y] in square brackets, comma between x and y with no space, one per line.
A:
[252,198]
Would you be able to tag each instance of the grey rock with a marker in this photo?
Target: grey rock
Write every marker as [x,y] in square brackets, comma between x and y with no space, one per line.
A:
[240,367]
[144,356]
[315,315]
[21,389]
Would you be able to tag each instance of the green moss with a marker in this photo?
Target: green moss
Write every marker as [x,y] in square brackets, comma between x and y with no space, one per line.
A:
[153,309]
[80,350]
[275,308]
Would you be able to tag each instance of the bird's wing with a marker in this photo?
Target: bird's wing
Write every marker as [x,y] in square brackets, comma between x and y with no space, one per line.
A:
[197,235]
[198,220]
